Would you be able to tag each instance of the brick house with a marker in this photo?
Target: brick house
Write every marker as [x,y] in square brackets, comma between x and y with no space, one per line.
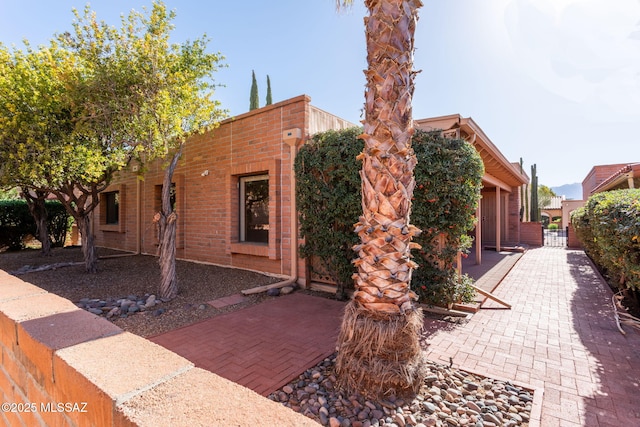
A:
[233,192]
[601,178]
[611,177]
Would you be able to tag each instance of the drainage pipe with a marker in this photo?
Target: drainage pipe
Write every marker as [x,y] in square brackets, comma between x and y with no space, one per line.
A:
[292,138]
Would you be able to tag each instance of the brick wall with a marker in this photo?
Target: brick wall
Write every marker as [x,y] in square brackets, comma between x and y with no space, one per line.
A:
[62,366]
[574,242]
[513,219]
[207,198]
[531,233]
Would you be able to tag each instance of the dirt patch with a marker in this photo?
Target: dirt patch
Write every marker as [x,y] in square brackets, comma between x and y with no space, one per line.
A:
[119,277]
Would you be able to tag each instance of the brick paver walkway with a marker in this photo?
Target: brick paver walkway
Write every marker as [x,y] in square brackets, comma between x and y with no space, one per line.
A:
[559,336]
[264,346]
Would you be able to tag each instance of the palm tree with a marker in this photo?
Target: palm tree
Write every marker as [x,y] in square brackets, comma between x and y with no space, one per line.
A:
[378,347]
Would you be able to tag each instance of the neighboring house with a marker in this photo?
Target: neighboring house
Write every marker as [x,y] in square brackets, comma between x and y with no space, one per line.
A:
[552,211]
[625,176]
[601,178]
[499,210]
[598,175]
[235,198]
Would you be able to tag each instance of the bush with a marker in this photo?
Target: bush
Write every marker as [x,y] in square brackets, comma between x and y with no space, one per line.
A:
[552,227]
[448,177]
[608,227]
[59,222]
[328,199]
[16,223]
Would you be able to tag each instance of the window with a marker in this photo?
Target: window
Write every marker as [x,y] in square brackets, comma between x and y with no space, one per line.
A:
[112,207]
[112,215]
[158,197]
[254,209]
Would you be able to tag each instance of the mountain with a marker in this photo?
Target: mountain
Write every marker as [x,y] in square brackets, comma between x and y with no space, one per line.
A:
[569,191]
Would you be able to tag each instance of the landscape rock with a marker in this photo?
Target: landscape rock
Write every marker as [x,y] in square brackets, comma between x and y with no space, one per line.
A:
[286,290]
[471,401]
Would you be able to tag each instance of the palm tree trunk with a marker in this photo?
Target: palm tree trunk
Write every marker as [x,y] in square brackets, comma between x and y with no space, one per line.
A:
[167,222]
[378,347]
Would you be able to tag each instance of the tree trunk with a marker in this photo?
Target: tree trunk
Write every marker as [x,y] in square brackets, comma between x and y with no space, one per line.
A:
[88,243]
[378,347]
[167,222]
[38,210]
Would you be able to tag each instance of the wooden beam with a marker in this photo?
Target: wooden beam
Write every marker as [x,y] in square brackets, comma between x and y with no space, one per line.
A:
[491,296]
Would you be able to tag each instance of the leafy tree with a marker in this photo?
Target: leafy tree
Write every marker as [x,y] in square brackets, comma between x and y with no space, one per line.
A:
[253,97]
[269,100]
[10,194]
[545,194]
[176,83]
[42,149]
[37,207]
[94,100]
[378,346]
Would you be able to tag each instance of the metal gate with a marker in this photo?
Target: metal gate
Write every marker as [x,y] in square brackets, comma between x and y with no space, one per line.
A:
[557,238]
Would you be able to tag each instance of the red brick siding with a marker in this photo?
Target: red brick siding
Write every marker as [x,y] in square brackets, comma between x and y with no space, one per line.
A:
[574,242]
[531,233]
[207,191]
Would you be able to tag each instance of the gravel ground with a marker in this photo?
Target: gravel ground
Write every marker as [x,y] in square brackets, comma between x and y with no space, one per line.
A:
[119,277]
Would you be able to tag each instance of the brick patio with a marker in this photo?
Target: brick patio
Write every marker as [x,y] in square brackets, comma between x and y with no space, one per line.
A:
[264,346]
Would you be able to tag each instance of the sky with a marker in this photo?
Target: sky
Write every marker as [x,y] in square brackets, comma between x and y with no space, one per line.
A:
[554,82]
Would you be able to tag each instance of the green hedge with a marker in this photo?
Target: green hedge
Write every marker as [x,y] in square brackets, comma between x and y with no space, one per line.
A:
[448,181]
[608,227]
[328,199]
[16,223]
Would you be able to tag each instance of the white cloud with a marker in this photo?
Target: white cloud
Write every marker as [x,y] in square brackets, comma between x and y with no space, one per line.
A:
[586,51]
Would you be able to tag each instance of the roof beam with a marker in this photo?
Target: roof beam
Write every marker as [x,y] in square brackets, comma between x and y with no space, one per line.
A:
[495,182]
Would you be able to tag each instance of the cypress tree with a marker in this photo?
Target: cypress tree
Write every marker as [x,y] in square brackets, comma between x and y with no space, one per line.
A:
[253,100]
[269,98]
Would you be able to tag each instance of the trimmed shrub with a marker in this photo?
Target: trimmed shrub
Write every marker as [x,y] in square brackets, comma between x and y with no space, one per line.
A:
[16,223]
[328,199]
[608,226]
[448,183]
[448,177]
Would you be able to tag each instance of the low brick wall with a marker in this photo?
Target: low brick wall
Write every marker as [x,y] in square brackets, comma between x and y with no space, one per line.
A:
[531,233]
[574,242]
[64,366]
